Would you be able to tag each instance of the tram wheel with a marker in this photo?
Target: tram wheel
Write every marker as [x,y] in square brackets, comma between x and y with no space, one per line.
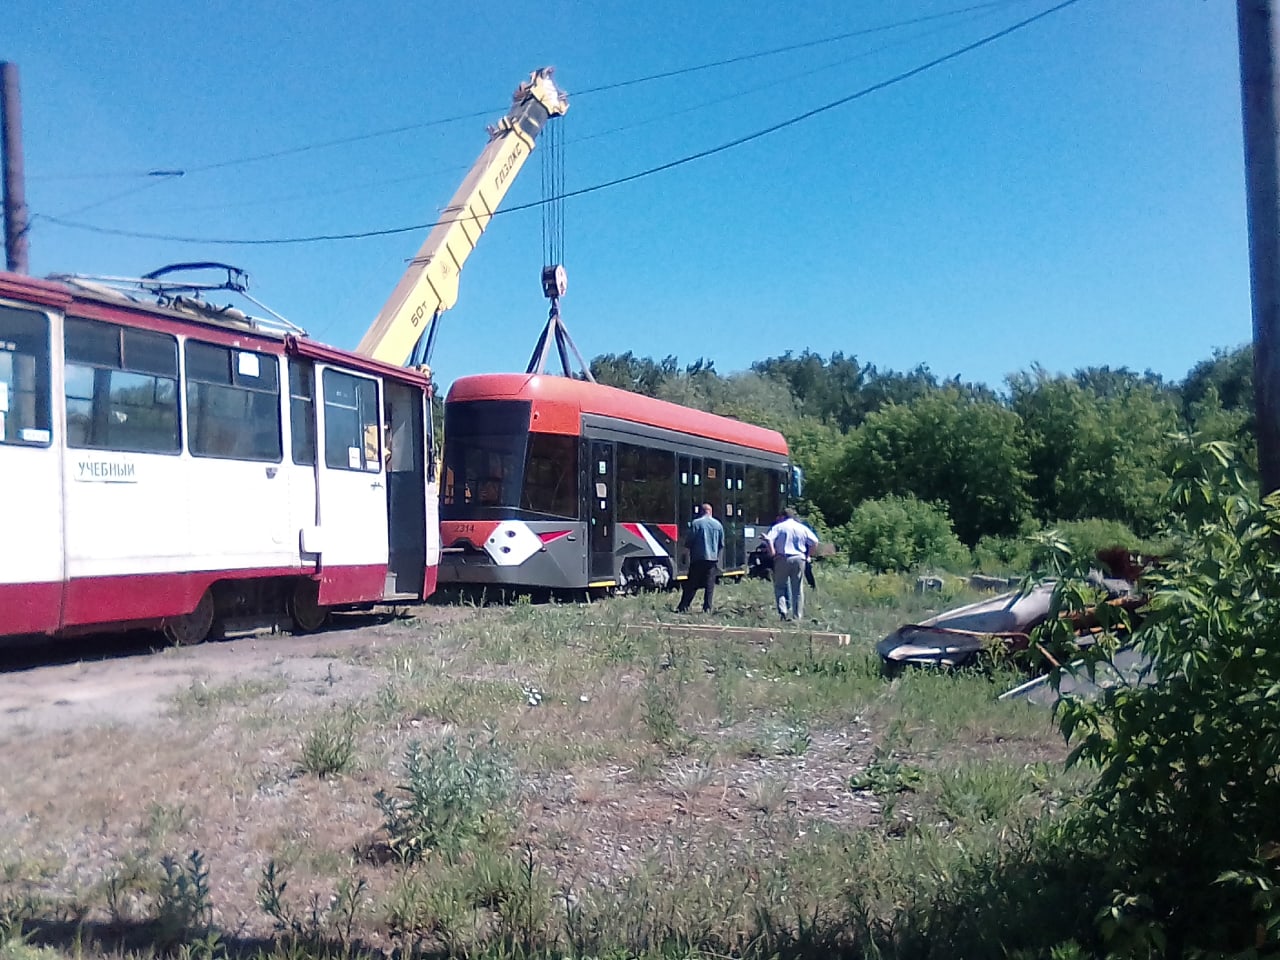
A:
[191,628]
[305,609]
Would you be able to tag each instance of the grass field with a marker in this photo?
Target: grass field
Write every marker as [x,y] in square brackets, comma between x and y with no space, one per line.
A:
[536,779]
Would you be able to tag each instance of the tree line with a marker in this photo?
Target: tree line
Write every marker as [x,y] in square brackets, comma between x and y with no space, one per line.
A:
[906,468]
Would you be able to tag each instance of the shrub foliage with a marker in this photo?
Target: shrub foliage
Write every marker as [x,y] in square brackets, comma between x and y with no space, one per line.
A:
[450,797]
[1189,758]
[900,533]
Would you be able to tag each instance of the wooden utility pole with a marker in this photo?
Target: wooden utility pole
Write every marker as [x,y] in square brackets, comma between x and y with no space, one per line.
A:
[1260,99]
[15,200]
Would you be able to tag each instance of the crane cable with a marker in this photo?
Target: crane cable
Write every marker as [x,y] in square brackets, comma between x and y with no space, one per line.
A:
[552,202]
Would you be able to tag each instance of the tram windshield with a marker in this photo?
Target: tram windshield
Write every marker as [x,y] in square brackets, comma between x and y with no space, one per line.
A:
[494,468]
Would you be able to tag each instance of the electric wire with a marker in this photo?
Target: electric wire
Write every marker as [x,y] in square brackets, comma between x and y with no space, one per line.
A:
[775,82]
[341,141]
[608,184]
[441,121]
[569,141]
[161,176]
[791,48]
[327,192]
[283,152]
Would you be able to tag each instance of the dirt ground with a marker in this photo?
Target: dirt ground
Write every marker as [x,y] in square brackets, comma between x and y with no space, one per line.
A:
[133,678]
[649,766]
[120,750]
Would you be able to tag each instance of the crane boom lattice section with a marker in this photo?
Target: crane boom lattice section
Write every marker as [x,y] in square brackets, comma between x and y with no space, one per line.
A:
[430,285]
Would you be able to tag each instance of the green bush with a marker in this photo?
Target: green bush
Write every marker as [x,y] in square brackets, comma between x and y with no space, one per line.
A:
[450,797]
[901,533]
[1034,551]
[329,748]
[983,792]
[1003,555]
[1086,537]
[1189,763]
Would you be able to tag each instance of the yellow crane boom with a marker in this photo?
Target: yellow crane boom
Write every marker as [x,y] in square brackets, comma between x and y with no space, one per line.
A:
[430,285]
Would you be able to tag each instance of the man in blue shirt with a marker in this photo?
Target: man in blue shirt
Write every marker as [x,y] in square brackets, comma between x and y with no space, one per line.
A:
[705,541]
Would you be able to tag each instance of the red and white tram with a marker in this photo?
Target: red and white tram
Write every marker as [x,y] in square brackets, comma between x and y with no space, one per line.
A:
[560,483]
[163,467]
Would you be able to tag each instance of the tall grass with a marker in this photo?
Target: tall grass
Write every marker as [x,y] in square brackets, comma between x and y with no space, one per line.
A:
[662,796]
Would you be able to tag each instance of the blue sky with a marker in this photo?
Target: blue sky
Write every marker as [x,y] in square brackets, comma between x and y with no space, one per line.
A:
[1071,195]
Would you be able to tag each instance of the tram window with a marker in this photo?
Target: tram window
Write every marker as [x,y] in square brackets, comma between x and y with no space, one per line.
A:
[777,492]
[551,475]
[645,488]
[630,480]
[24,377]
[302,412]
[760,503]
[659,499]
[121,388]
[233,403]
[351,440]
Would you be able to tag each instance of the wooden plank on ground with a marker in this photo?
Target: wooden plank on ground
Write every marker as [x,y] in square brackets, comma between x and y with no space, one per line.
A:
[762,634]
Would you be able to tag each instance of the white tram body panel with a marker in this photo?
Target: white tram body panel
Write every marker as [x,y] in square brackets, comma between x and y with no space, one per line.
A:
[154,464]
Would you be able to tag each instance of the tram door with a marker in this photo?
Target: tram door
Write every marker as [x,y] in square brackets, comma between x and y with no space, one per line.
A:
[351,485]
[600,487]
[31,566]
[689,503]
[734,550]
[406,462]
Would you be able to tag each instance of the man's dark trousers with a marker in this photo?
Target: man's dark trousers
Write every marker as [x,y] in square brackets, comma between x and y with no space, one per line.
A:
[702,575]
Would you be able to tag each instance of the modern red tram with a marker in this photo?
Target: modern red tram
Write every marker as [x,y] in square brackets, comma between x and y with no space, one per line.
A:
[562,483]
[171,467]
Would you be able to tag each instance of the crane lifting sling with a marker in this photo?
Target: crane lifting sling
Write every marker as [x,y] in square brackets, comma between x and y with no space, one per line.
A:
[404,330]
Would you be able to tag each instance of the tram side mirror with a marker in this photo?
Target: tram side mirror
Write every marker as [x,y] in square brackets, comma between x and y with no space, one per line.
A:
[797,483]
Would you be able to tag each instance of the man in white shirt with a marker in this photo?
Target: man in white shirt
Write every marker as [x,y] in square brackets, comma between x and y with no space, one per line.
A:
[791,543]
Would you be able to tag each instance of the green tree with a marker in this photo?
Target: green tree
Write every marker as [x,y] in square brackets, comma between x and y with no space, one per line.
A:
[1189,761]
[1095,455]
[900,533]
[1106,382]
[1210,419]
[825,390]
[1228,373]
[945,447]
[629,372]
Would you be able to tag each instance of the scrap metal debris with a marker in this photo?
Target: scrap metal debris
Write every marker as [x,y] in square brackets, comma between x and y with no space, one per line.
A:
[957,638]
[1129,666]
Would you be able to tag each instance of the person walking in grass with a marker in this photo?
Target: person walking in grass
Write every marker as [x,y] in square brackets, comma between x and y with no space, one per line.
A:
[791,543]
[705,541]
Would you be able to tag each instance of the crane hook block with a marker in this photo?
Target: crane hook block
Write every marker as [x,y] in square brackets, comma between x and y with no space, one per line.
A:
[554,281]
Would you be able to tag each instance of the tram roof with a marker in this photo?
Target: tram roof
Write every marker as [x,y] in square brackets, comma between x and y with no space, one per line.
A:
[99,302]
[549,392]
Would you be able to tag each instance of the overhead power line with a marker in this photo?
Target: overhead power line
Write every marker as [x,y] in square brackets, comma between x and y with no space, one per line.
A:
[477,114]
[666,115]
[791,48]
[788,78]
[275,154]
[340,141]
[156,177]
[594,188]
